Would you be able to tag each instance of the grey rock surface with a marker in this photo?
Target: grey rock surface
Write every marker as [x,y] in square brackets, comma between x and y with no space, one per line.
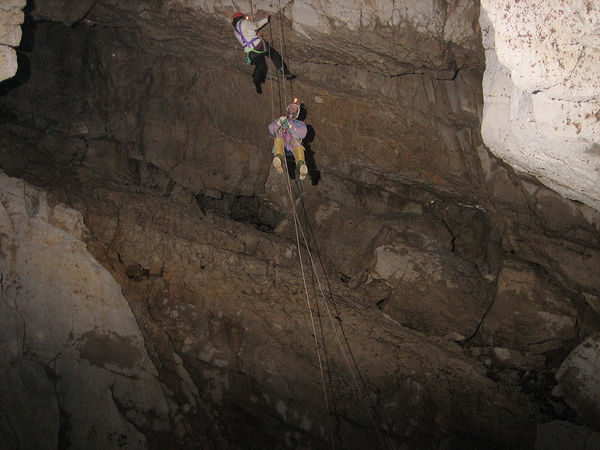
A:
[579,380]
[70,339]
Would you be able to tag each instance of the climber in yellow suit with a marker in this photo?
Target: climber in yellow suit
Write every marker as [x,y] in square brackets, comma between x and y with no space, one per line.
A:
[289,132]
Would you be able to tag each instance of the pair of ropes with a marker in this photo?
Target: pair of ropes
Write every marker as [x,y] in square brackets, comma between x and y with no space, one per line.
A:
[302,239]
[279,73]
[334,321]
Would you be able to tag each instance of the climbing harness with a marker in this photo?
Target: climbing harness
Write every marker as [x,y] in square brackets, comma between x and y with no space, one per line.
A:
[249,46]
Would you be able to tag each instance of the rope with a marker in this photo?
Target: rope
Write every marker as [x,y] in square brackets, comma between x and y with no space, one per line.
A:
[309,307]
[334,418]
[276,76]
[271,84]
[297,226]
[334,328]
[299,231]
[284,54]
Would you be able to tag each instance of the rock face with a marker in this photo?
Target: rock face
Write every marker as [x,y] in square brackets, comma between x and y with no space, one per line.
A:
[519,321]
[224,304]
[542,92]
[207,293]
[11,17]
[578,380]
[558,435]
[74,367]
[456,287]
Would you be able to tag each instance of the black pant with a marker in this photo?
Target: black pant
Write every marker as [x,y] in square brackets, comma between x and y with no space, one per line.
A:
[260,62]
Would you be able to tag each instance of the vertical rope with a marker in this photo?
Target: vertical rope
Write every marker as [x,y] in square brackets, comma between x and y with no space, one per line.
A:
[298,226]
[276,76]
[299,231]
[334,424]
[362,392]
[282,52]
[271,84]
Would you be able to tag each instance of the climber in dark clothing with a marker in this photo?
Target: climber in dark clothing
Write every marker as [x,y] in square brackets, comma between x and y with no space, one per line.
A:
[255,48]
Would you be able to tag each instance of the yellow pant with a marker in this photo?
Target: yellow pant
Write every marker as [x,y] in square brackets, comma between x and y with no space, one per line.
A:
[297,148]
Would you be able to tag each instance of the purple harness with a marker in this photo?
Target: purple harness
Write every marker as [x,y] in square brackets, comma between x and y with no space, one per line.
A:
[238,30]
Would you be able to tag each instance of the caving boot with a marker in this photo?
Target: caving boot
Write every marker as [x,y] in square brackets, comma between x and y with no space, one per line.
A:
[277,164]
[303,171]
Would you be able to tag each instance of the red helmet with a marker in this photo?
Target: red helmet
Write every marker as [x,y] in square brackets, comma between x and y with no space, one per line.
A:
[237,15]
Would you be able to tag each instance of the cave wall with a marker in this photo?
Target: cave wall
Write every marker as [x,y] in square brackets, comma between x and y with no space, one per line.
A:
[427,160]
[75,368]
[11,18]
[541,92]
[150,104]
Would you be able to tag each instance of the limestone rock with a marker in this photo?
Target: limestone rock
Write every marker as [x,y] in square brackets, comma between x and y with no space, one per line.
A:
[10,30]
[529,313]
[229,317]
[142,117]
[428,289]
[415,33]
[11,17]
[541,92]
[542,237]
[8,62]
[579,380]
[29,411]
[65,11]
[68,332]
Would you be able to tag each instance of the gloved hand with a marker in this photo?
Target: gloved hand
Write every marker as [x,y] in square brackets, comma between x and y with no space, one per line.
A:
[269,18]
[283,122]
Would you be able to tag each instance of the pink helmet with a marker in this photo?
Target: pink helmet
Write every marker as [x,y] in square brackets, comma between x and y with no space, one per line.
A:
[237,15]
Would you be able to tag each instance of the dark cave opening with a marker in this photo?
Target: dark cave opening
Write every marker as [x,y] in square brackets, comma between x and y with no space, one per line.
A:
[249,210]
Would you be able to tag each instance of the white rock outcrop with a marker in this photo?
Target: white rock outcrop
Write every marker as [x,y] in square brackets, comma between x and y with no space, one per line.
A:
[11,18]
[579,380]
[70,347]
[542,91]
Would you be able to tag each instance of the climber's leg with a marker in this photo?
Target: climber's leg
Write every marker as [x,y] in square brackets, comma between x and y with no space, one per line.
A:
[299,157]
[279,154]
